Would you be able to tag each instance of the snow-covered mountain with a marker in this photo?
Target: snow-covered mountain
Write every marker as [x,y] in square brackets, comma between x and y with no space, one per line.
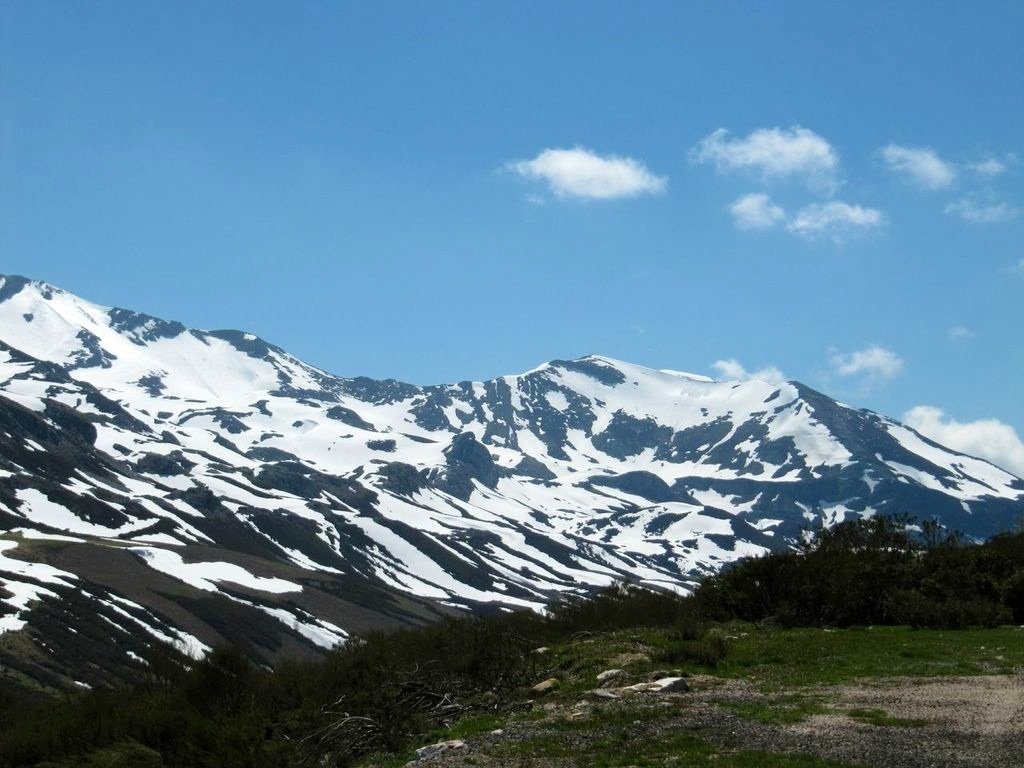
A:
[206,485]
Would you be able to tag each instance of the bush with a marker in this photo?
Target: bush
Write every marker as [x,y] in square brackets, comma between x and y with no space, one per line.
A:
[126,755]
[382,692]
[876,571]
[620,606]
[708,650]
[378,693]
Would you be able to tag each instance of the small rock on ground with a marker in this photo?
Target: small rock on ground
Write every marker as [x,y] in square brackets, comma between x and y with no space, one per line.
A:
[545,686]
[433,750]
[664,685]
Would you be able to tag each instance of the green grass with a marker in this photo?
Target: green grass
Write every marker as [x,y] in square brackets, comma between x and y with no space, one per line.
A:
[774,658]
[625,747]
[387,760]
[578,664]
[472,725]
[779,662]
[620,715]
[782,710]
[465,728]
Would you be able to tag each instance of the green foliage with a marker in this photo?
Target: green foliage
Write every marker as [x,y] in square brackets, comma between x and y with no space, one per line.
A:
[876,571]
[621,607]
[705,649]
[782,710]
[124,755]
[379,693]
[385,692]
[605,745]
[774,658]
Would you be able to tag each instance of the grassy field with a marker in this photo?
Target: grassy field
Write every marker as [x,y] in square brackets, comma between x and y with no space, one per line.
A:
[787,674]
[796,657]
[775,658]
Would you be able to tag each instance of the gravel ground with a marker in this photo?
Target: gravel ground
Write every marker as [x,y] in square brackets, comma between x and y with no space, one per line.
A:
[970,722]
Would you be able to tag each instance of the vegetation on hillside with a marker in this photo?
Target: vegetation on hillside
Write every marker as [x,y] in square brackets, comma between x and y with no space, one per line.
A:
[882,570]
[385,692]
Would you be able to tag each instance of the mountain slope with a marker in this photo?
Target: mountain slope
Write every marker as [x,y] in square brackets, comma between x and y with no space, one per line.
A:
[227,470]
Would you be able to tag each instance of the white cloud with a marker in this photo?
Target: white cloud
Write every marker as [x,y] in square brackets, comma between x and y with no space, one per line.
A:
[836,220]
[1018,268]
[988,439]
[920,164]
[756,211]
[578,172]
[772,153]
[990,166]
[979,210]
[732,369]
[959,333]
[875,363]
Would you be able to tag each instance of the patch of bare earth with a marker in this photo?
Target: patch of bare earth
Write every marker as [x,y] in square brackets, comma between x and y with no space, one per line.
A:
[965,722]
[950,721]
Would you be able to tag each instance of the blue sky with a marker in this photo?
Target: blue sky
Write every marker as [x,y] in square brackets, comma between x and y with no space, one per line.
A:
[438,191]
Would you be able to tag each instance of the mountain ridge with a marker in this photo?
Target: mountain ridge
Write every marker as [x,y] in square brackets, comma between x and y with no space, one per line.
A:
[156,327]
[120,431]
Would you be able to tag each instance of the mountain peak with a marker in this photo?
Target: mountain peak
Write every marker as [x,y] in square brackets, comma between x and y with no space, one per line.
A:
[11,285]
[217,457]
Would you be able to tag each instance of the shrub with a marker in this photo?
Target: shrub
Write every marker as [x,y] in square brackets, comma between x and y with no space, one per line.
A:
[707,650]
[385,690]
[377,693]
[875,571]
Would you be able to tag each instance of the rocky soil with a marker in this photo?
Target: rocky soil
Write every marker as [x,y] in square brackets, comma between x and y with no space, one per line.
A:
[950,722]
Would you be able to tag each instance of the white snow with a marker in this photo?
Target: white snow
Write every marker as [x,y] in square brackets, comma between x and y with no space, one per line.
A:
[205,575]
[23,593]
[35,506]
[558,400]
[608,534]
